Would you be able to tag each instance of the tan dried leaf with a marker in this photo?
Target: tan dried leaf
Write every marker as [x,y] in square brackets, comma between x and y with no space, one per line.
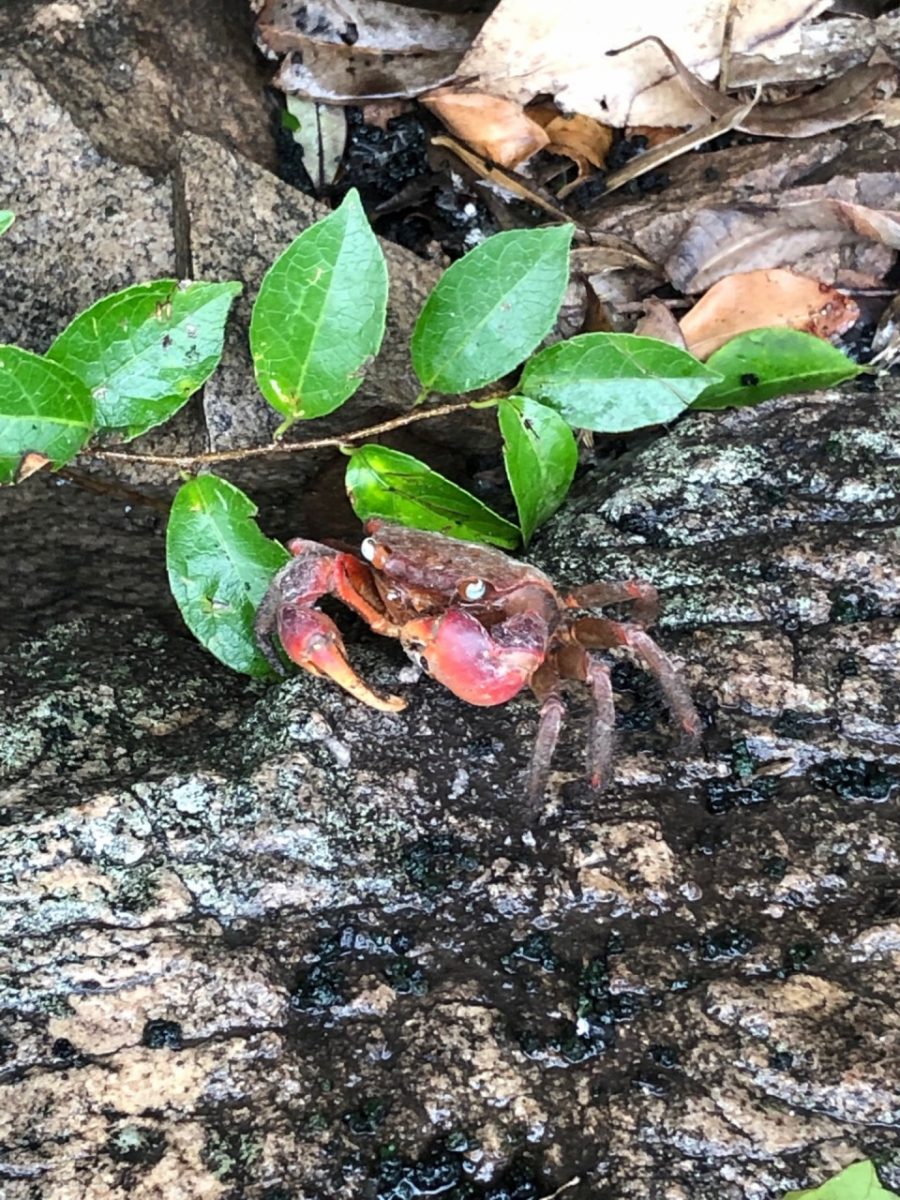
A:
[530,47]
[726,241]
[659,322]
[582,139]
[340,51]
[497,130]
[29,464]
[759,299]
[856,95]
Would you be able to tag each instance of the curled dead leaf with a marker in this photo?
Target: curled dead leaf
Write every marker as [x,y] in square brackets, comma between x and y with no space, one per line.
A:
[659,322]
[761,299]
[342,51]
[725,241]
[29,464]
[529,47]
[498,130]
[582,139]
[855,95]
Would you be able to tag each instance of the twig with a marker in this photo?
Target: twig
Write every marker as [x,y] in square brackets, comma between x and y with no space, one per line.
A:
[221,456]
[565,1187]
[103,487]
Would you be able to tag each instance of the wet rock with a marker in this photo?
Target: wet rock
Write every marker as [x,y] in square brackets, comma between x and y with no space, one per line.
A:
[136,74]
[259,941]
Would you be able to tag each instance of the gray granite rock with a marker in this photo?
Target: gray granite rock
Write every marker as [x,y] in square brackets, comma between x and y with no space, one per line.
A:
[136,75]
[260,941]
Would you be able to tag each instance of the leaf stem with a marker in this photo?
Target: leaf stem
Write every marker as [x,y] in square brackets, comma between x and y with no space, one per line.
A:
[212,457]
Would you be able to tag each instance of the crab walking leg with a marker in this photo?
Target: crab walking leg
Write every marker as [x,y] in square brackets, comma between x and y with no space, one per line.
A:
[575,663]
[663,670]
[545,685]
[601,731]
[600,633]
[643,596]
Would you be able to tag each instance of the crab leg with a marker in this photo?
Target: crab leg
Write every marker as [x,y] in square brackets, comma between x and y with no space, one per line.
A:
[545,685]
[600,633]
[309,637]
[643,596]
[576,663]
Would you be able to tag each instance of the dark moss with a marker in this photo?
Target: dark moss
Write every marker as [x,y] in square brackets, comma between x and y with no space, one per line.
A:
[850,603]
[432,863]
[798,957]
[367,1118]
[162,1035]
[535,948]
[321,988]
[137,1145]
[781,1060]
[406,977]
[725,943]
[856,778]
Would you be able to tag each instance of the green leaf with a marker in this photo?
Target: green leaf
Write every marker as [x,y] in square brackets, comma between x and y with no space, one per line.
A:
[612,382]
[540,454]
[765,363]
[320,315]
[490,309]
[397,487]
[6,219]
[220,566]
[857,1182]
[43,409]
[144,351]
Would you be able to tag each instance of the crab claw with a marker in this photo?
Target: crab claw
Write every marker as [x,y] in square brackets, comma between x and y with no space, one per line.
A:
[480,666]
[312,641]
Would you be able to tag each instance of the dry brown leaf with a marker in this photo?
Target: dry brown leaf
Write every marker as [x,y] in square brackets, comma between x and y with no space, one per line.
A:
[341,51]
[759,299]
[654,135]
[582,139]
[497,130]
[529,47]
[859,93]
[30,463]
[674,147]
[827,48]
[659,322]
[380,113]
[726,241]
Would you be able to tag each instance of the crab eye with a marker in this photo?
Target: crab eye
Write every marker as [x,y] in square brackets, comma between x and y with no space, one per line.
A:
[367,549]
[473,589]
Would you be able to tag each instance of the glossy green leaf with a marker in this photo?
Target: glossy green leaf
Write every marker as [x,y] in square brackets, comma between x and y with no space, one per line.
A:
[397,487]
[43,409]
[220,566]
[144,351]
[6,219]
[613,382]
[856,1182]
[766,363]
[319,316]
[540,454]
[490,309]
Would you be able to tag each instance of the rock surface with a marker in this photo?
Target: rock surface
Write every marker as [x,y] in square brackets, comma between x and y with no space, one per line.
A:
[262,942]
[259,942]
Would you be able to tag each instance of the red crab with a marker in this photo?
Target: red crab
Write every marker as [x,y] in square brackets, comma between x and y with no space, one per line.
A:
[481,623]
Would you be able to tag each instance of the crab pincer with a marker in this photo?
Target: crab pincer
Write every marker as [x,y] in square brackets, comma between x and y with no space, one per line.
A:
[309,637]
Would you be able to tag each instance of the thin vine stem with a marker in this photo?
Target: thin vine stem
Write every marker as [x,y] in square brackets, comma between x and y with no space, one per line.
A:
[211,457]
